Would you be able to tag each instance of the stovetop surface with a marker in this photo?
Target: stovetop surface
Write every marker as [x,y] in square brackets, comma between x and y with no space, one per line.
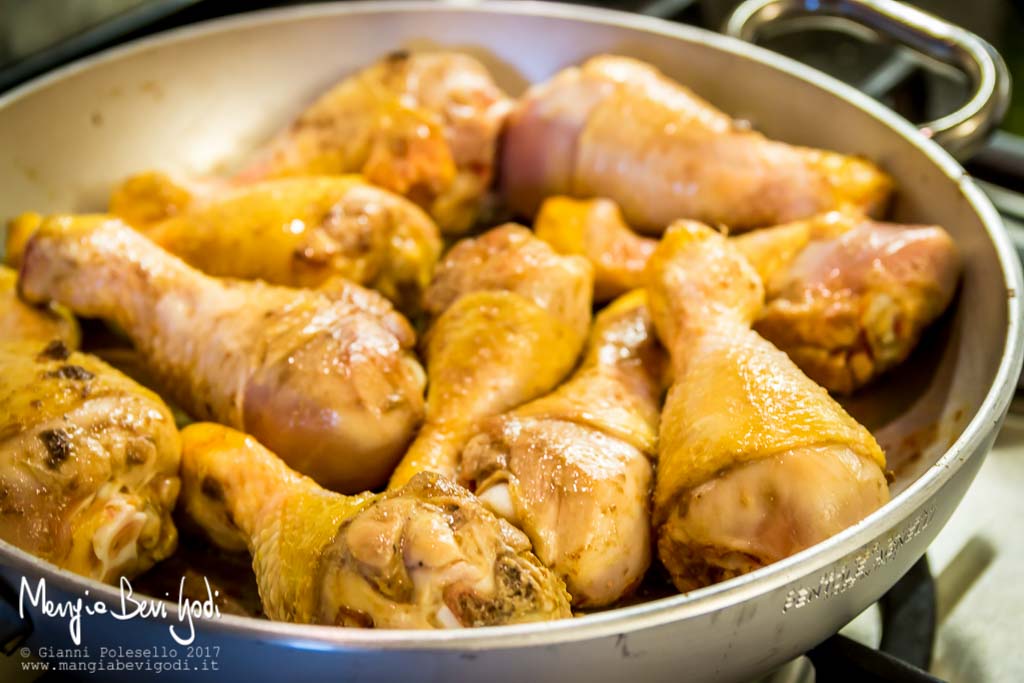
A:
[978,560]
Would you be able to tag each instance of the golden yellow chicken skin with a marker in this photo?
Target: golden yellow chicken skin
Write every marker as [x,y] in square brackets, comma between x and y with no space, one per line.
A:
[150,197]
[755,461]
[846,297]
[510,317]
[573,470]
[855,300]
[300,232]
[423,124]
[19,320]
[88,462]
[327,377]
[594,228]
[427,555]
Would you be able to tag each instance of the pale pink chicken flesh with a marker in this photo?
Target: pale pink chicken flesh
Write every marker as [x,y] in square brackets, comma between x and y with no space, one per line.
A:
[616,127]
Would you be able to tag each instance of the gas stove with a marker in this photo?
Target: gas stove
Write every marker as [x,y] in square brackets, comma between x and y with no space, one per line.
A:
[959,613]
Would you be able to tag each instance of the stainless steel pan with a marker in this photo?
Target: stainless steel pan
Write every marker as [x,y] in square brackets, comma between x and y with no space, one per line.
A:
[189,100]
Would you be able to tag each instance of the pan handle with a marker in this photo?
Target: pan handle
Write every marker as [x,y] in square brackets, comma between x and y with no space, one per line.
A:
[960,132]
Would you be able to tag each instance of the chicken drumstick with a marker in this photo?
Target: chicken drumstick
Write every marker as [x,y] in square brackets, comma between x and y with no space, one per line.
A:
[19,320]
[510,318]
[755,461]
[572,469]
[847,297]
[427,555]
[421,124]
[88,461]
[324,377]
[300,232]
[616,127]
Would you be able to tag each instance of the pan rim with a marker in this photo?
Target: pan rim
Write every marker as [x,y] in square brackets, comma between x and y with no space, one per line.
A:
[664,610]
